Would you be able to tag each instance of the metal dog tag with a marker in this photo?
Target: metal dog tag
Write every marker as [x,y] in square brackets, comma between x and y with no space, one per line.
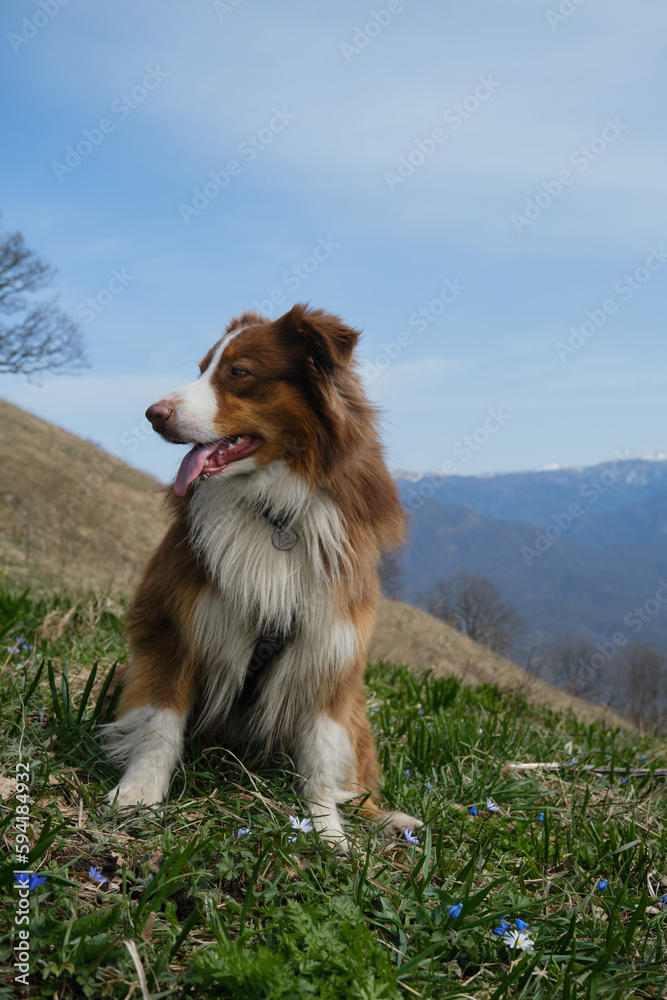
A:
[284,538]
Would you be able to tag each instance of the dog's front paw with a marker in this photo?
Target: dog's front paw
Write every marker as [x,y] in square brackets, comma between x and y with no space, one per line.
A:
[394,824]
[130,794]
[330,829]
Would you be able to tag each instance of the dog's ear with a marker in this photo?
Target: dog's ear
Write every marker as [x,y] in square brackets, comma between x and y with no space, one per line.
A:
[328,341]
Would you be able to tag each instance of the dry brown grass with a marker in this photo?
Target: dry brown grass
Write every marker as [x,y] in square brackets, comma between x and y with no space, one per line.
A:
[71,515]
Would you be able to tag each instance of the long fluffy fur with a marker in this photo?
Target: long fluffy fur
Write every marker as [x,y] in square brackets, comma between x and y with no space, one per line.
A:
[217,584]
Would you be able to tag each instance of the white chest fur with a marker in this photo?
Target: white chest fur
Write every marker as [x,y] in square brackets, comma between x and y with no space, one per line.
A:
[257,587]
[267,585]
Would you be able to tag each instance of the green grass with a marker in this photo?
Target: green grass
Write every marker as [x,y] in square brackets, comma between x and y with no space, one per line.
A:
[259,916]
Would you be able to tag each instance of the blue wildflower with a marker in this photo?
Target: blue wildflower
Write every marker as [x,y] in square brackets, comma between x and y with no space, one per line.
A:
[407,772]
[473,811]
[602,884]
[429,786]
[540,818]
[241,832]
[491,806]
[454,911]
[410,837]
[503,926]
[95,874]
[521,924]
[420,712]
[574,760]
[28,881]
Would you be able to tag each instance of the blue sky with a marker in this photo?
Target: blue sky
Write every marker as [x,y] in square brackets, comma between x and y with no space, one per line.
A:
[531,142]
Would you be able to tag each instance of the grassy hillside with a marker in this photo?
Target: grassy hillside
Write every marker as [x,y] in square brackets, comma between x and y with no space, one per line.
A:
[71,516]
[215,894]
[405,634]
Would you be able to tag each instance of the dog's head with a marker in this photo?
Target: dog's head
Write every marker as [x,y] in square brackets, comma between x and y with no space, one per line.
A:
[282,390]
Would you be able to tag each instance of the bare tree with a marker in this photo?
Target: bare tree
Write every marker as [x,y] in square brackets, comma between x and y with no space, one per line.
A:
[473,604]
[39,337]
[569,662]
[392,576]
[437,600]
[646,686]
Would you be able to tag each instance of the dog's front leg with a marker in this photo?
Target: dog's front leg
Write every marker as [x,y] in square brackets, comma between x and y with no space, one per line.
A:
[147,735]
[324,759]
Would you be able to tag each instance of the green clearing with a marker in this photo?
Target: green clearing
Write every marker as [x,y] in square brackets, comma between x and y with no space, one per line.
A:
[213,914]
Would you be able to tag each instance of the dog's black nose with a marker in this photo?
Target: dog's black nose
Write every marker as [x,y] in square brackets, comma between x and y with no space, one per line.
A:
[158,414]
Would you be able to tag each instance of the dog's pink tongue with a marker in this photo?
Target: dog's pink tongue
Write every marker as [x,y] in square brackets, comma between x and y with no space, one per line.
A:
[193,466]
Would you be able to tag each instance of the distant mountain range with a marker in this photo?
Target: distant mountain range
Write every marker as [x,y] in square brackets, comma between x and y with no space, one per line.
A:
[573,549]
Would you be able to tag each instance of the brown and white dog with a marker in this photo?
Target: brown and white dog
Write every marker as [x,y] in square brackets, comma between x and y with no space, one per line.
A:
[255,613]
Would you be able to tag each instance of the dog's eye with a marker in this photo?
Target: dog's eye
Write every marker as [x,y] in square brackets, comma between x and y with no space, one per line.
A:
[239,371]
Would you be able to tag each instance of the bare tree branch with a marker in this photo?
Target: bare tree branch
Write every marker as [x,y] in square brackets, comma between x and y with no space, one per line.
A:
[44,338]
